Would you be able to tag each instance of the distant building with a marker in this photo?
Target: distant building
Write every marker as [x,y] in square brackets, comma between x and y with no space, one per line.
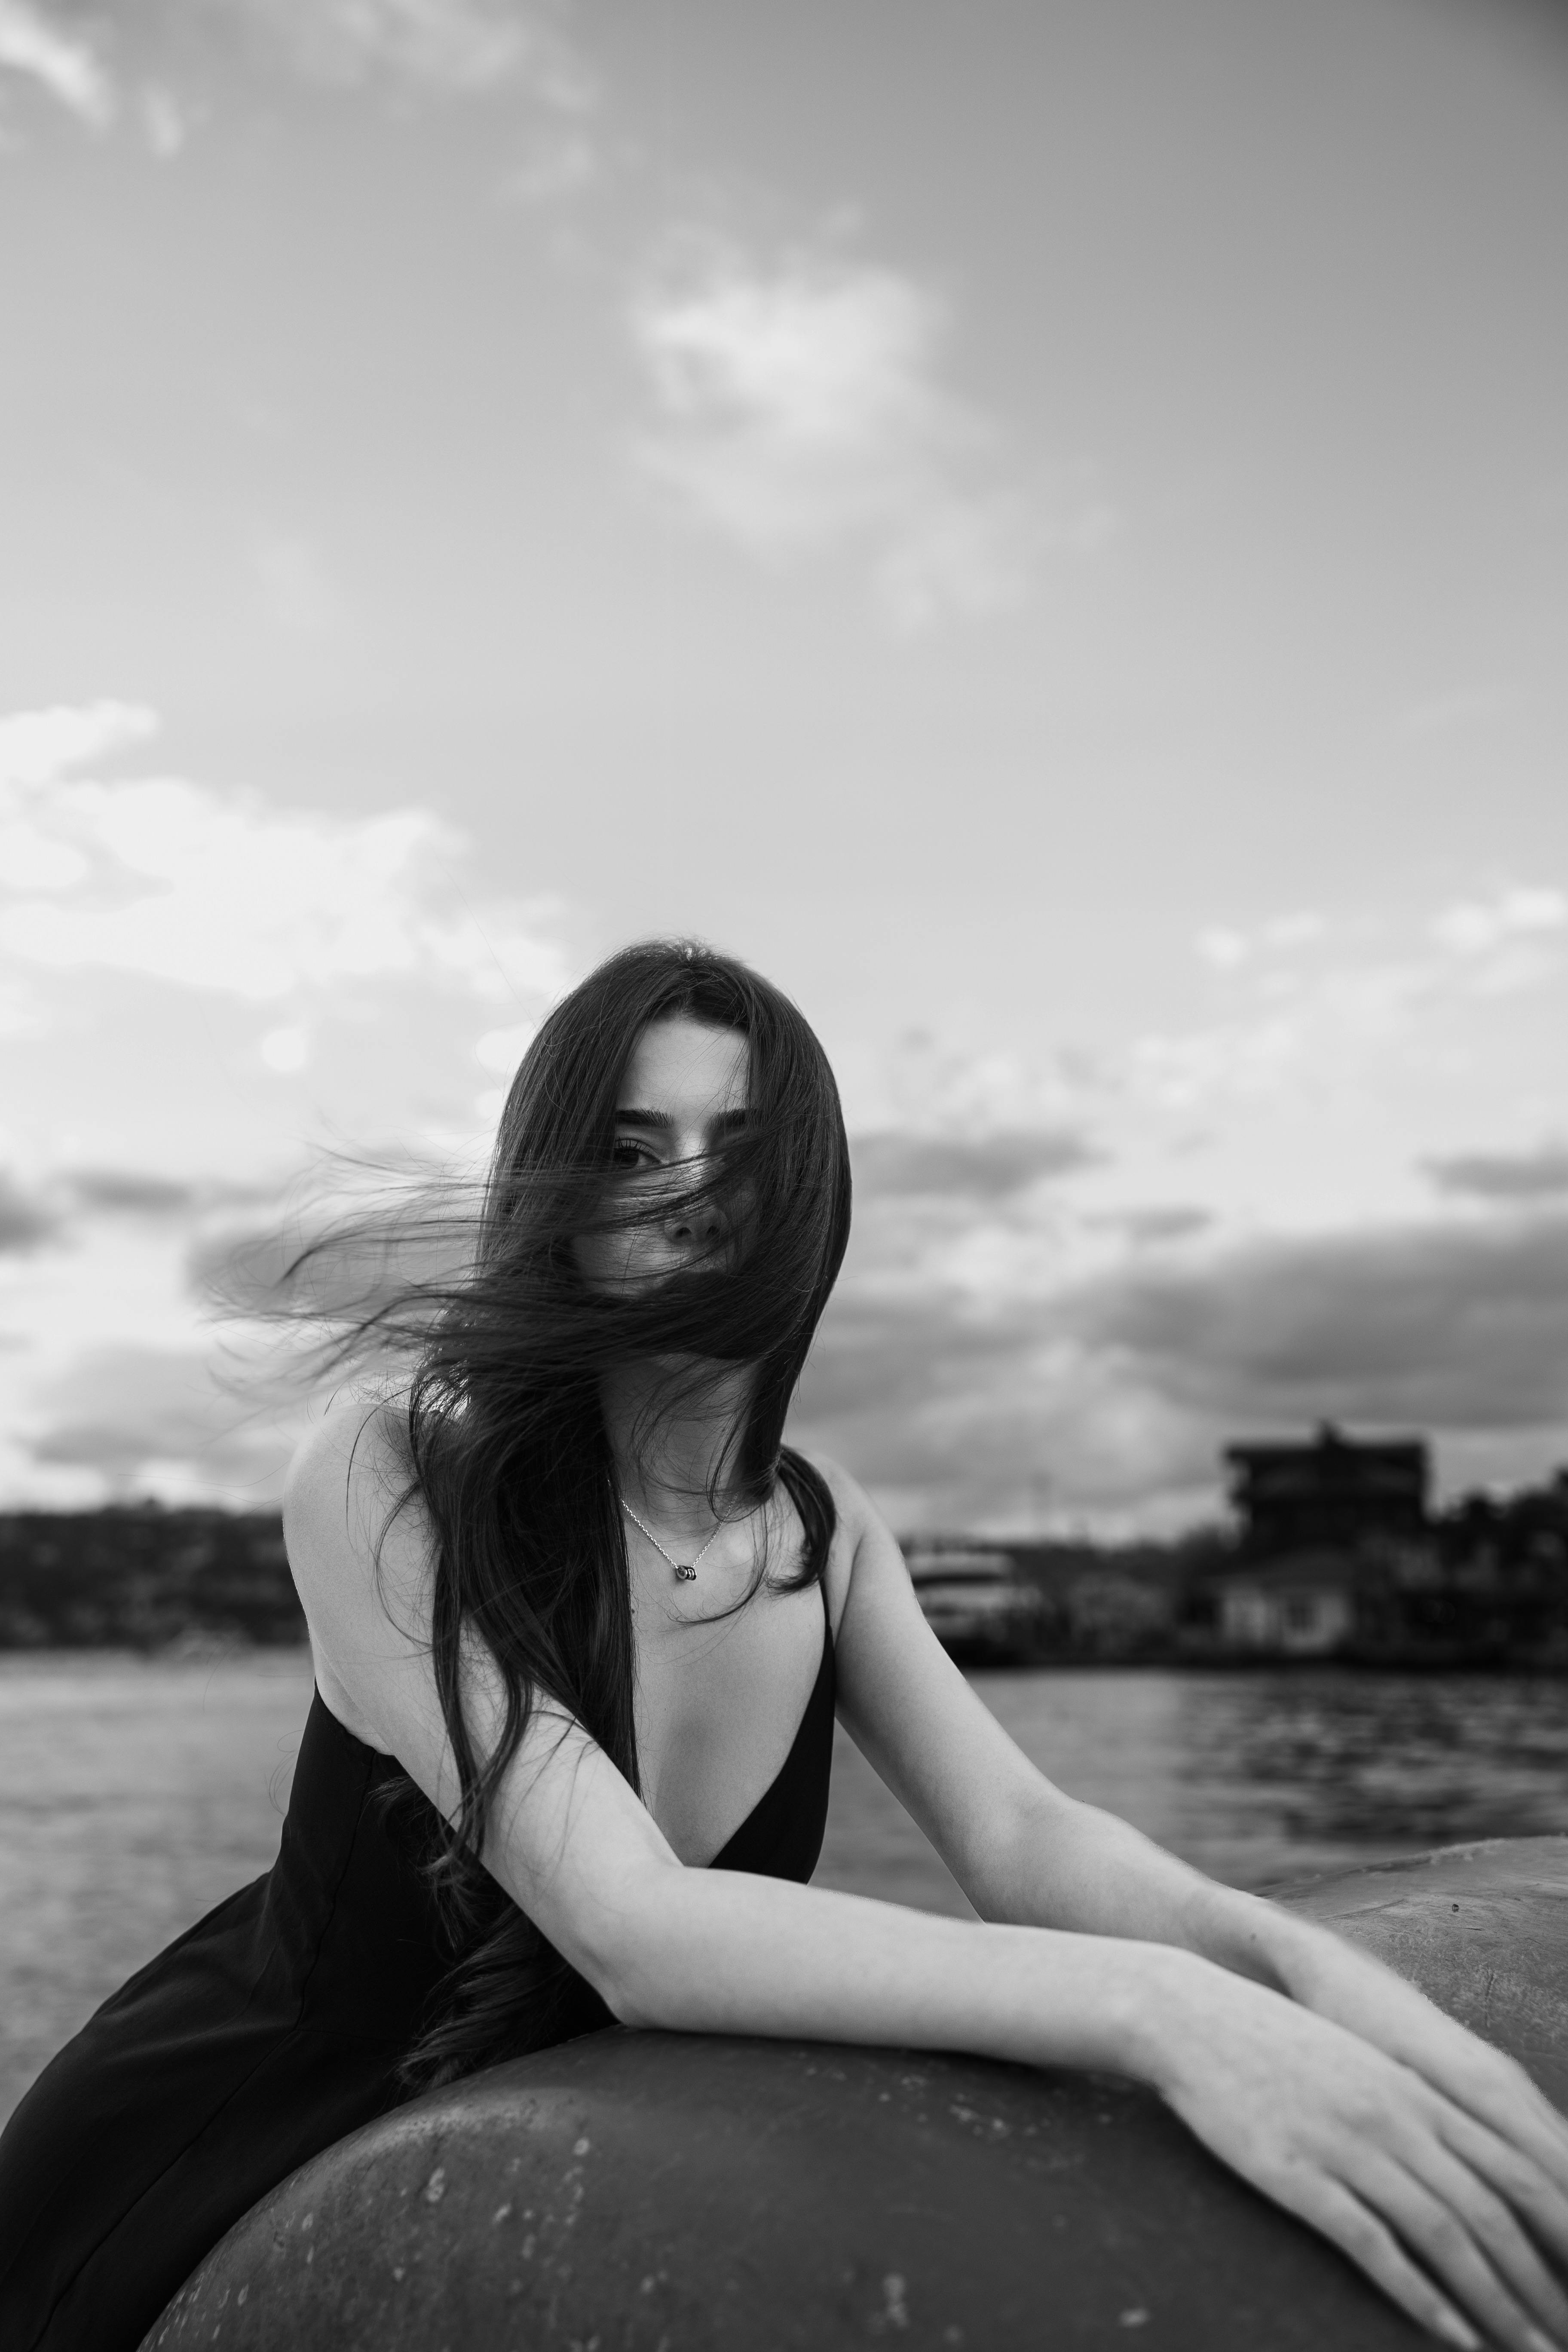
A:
[1333,1493]
[1112,1615]
[1335,1535]
[1303,1606]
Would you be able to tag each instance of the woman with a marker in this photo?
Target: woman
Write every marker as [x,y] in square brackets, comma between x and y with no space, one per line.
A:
[579,1623]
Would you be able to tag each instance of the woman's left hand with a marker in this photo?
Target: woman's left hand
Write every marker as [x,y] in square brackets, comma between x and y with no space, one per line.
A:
[1501,2111]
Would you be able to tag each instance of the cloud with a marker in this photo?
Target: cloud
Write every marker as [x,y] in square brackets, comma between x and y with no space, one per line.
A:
[1457,708]
[932,1082]
[1502,1176]
[166,878]
[981,1168]
[1508,941]
[923,1401]
[908,1361]
[166,122]
[439,49]
[1076,1351]
[1177,1223]
[1043,1387]
[1247,1058]
[153,1421]
[296,587]
[991,1418]
[941,1372]
[1228,948]
[449,48]
[1367,989]
[129,1193]
[172,945]
[560,161]
[286,1049]
[60,58]
[1476,925]
[24,1221]
[1451,1327]
[501,1050]
[801,409]
[37,746]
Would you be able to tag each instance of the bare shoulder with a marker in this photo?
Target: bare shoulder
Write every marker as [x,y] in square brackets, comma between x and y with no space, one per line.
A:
[858,1515]
[348,1459]
[863,1543]
[357,1540]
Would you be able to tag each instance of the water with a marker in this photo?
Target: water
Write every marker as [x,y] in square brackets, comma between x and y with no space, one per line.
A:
[136,1793]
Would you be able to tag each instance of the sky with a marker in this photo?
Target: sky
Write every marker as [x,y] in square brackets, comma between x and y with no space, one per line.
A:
[1044,528]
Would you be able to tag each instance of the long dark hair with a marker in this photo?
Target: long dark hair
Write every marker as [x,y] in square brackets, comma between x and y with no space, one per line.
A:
[508,1455]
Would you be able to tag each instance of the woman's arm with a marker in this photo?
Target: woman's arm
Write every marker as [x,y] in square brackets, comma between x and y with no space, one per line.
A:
[1024,1852]
[1299,2105]
[1021,1849]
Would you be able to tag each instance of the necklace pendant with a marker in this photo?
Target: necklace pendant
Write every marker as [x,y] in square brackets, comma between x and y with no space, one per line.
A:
[687,1575]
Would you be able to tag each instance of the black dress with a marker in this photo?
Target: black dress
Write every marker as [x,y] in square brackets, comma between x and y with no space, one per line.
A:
[266,2033]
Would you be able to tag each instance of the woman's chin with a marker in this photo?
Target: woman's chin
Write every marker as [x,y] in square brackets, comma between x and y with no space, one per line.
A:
[644,1282]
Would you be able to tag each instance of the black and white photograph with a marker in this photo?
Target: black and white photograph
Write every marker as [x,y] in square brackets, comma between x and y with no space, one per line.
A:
[784,1175]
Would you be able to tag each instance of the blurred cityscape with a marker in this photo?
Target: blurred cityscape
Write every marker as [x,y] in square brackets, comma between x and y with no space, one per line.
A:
[138,1576]
[1331,1550]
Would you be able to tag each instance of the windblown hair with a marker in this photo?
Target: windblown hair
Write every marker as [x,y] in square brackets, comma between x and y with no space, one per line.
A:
[507,1453]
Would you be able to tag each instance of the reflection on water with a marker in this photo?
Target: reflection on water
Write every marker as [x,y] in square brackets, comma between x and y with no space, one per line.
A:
[136,1793]
[1352,1760]
[1257,1776]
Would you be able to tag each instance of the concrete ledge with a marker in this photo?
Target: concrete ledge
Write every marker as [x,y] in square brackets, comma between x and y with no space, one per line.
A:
[637,2192]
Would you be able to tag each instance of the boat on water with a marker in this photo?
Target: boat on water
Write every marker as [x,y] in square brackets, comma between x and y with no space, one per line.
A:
[650,2192]
[977,1604]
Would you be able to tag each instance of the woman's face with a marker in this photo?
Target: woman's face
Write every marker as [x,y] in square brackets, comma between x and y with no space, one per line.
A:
[684,1092]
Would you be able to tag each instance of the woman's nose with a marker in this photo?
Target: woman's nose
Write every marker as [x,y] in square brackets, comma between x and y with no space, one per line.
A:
[702,1223]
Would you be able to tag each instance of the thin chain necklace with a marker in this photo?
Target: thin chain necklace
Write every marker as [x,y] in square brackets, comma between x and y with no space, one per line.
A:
[687,1575]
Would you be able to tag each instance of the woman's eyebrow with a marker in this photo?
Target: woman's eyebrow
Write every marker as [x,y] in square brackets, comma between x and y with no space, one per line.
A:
[661,1121]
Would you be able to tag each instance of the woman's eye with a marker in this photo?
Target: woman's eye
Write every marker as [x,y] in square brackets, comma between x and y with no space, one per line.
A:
[626,1154]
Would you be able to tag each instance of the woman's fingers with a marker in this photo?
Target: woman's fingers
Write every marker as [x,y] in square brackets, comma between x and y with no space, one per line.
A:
[1505,2098]
[1467,2237]
[1373,2246]
[1498,2092]
[1438,2171]
[1393,2017]
[1513,2174]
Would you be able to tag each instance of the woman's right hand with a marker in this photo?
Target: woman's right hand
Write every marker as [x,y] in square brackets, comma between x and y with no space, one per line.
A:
[1445,2216]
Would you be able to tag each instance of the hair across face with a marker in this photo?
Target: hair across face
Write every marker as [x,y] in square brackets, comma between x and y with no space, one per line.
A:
[670,1184]
[682,1100]
[764,1163]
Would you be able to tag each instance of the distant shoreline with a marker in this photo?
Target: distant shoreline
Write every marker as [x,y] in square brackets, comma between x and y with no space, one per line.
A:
[200,1581]
[200,1650]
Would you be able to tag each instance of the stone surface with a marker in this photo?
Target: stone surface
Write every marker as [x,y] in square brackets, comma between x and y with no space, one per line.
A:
[1483,1929]
[663,2193]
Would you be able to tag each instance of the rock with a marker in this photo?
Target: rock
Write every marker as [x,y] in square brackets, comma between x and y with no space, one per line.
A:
[645,2192]
[1483,1929]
